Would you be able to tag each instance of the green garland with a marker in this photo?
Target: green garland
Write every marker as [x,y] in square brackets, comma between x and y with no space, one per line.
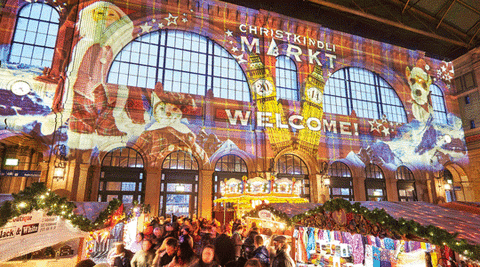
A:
[400,227]
[278,214]
[38,197]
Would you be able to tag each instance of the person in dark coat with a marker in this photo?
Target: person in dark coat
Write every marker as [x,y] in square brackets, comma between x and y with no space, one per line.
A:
[224,248]
[165,254]
[282,257]
[249,243]
[261,252]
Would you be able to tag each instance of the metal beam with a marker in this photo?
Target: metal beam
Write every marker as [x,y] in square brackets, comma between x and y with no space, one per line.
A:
[405,7]
[445,14]
[387,22]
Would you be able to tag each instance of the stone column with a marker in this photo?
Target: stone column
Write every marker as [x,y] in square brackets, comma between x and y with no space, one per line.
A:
[359,188]
[323,190]
[82,181]
[152,188]
[205,194]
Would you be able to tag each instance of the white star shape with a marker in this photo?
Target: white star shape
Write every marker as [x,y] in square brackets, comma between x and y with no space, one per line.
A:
[184,20]
[231,42]
[171,19]
[240,59]
[229,33]
[443,68]
[386,131]
[374,126]
[185,14]
[234,49]
[191,10]
[161,26]
[60,9]
[154,20]
[145,27]
[384,119]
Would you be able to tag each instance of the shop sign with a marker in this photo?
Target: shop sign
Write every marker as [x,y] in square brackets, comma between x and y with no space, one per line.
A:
[20,173]
[32,223]
[266,215]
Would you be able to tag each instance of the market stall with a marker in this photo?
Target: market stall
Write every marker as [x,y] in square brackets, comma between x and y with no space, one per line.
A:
[340,233]
[246,194]
[38,225]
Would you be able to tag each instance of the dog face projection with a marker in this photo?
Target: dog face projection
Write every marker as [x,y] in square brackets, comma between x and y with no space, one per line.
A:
[419,82]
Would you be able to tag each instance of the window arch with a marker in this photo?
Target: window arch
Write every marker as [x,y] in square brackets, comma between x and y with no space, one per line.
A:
[405,184]
[286,78]
[375,186]
[183,62]
[35,35]
[122,176]
[365,92]
[231,163]
[228,166]
[341,181]
[180,160]
[438,104]
[291,166]
[179,185]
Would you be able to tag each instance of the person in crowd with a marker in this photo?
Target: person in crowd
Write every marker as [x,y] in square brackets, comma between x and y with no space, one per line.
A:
[224,248]
[185,256]
[208,257]
[261,252]
[165,254]
[157,238]
[249,243]
[169,230]
[253,263]
[144,257]
[119,256]
[238,240]
[137,244]
[185,235]
[282,256]
[85,263]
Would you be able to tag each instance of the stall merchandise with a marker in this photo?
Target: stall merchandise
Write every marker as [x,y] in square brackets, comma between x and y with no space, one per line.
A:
[36,219]
[246,194]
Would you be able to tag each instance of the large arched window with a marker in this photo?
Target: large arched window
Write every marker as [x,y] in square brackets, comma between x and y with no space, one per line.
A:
[438,104]
[183,62]
[365,92]
[341,181]
[179,185]
[227,167]
[286,78]
[375,183]
[35,35]
[122,176]
[291,166]
[405,184]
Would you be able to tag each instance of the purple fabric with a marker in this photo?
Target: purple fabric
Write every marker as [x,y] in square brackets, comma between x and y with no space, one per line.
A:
[358,250]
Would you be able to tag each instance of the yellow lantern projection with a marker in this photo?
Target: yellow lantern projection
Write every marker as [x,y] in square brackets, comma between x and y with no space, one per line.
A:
[264,92]
[312,109]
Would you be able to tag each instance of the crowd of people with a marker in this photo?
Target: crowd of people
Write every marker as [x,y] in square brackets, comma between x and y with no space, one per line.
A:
[188,242]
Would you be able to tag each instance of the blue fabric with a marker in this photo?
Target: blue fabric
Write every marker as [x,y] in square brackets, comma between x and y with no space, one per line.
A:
[311,241]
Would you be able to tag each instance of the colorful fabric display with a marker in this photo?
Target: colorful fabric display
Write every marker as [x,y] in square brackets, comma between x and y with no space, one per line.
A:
[368,255]
[310,241]
[389,243]
[376,256]
[358,249]
[385,258]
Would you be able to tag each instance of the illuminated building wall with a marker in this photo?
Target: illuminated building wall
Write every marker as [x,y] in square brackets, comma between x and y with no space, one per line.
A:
[159,101]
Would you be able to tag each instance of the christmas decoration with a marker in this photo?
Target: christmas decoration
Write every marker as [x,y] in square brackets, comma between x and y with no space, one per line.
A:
[38,197]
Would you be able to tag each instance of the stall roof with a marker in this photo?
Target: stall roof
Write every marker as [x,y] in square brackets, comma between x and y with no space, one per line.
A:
[292,209]
[466,224]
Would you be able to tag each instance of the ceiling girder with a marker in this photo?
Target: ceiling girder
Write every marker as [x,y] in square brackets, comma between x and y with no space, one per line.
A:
[388,22]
